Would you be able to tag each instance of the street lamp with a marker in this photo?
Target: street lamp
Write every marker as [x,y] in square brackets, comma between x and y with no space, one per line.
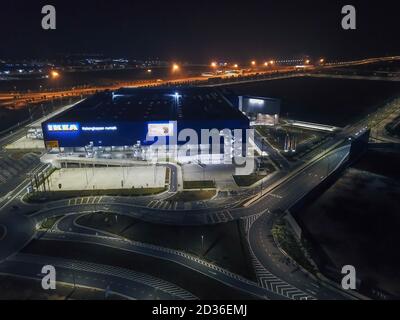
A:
[55,74]
[214,66]
[266,64]
[175,67]
[307,61]
[253,63]
[235,66]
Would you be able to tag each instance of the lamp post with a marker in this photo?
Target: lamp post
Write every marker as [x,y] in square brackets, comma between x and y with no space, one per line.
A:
[175,67]
[214,66]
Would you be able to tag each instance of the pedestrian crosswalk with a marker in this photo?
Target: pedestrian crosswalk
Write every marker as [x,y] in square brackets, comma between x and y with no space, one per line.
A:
[219,216]
[85,200]
[11,168]
[177,205]
[248,221]
[212,217]
[163,205]
[271,282]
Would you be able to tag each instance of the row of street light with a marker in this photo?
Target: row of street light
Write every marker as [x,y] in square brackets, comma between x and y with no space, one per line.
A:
[253,63]
[175,67]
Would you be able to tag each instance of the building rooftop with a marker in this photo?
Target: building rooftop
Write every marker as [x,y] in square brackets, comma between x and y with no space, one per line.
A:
[152,104]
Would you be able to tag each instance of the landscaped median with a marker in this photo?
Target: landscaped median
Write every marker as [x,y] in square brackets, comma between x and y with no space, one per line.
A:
[249,180]
[188,196]
[44,196]
[206,184]
[284,236]
[48,223]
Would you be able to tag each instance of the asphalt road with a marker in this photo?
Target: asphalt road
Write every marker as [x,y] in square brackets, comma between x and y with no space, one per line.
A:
[121,281]
[202,280]
[281,199]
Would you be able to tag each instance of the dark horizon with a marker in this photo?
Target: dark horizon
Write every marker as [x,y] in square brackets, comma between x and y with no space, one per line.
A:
[199,32]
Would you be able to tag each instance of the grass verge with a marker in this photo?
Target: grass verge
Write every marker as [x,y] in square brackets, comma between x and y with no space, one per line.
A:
[295,248]
[187,196]
[206,184]
[246,181]
[48,223]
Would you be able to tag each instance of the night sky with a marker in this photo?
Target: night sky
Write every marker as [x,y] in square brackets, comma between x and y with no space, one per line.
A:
[199,31]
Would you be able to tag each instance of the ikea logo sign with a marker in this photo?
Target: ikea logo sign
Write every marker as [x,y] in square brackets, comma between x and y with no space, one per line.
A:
[63,127]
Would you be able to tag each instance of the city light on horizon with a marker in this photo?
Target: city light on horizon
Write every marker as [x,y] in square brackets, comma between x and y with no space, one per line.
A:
[175,67]
[55,74]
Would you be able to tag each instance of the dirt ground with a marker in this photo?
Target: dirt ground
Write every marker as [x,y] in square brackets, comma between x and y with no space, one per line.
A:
[357,222]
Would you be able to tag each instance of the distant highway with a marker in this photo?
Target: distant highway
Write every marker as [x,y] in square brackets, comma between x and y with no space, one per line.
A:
[18,100]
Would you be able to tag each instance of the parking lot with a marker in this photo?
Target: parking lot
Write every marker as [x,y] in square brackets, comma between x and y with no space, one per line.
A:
[90,178]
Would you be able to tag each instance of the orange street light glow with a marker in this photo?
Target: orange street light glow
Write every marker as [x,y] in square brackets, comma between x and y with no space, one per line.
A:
[54,74]
[235,65]
[266,64]
[307,61]
[213,64]
[149,70]
[253,63]
[175,67]
[272,62]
